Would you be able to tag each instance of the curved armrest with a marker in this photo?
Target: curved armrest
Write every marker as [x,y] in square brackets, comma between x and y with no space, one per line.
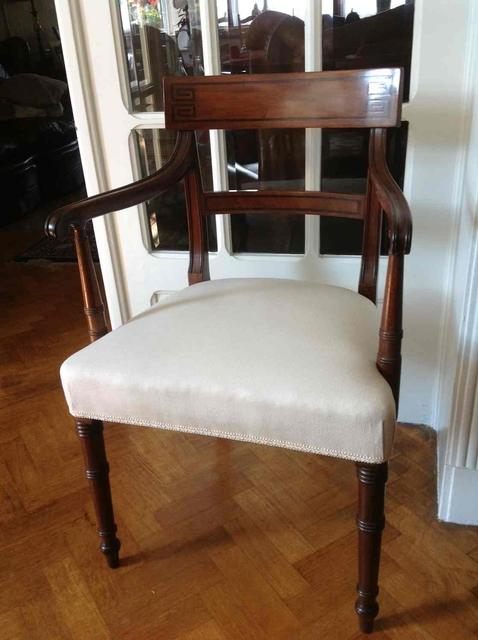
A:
[390,196]
[78,213]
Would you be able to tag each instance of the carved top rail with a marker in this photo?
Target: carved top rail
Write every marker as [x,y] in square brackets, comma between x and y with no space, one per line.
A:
[360,98]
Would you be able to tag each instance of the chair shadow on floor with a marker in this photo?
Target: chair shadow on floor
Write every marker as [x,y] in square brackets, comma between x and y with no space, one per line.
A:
[212,538]
[421,614]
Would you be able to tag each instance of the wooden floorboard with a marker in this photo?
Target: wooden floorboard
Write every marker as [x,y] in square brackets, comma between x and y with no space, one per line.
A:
[221,540]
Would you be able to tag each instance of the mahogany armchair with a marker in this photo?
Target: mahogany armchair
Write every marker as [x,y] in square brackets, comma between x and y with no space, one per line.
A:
[311,371]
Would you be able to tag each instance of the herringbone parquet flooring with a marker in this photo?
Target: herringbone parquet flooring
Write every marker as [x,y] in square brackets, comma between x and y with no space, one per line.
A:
[221,540]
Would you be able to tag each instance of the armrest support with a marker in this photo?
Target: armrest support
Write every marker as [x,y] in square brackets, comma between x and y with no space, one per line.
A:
[389,195]
[77,214]
[391,200]
[389,356]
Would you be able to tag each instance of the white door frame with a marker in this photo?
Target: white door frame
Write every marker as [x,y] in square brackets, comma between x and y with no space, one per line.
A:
[434,172]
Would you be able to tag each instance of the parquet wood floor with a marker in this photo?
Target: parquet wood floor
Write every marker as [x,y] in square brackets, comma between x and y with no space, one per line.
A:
[221,540]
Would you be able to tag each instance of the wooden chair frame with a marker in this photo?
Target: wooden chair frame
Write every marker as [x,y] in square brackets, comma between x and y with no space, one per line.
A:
[369,99]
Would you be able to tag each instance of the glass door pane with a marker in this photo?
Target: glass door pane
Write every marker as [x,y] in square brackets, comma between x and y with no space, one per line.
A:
[368,34]
[360,35]
[344,170]
[168,225]
[161,38]
[355,35]
[268,39]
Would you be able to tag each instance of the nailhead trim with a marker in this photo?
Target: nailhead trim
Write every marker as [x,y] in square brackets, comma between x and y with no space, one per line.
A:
[231,436]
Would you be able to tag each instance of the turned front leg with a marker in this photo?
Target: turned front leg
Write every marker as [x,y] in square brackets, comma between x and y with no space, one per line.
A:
[90,433]
[370,524]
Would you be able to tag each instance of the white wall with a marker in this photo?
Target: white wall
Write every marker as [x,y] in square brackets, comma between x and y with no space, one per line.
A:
[436,114]
[457,416]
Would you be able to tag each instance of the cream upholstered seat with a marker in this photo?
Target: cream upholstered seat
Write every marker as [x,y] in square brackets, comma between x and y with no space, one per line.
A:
[280,362]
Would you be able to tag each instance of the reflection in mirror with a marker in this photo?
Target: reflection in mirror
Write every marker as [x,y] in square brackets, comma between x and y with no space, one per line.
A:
[166,213]
[367,34]
[252,40]
[160,39]
[358,34]
[267,159]
[361,35]
[344,170]
[163,37]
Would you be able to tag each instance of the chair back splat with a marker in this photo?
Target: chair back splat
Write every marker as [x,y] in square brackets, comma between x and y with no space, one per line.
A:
[327,99]
[340,99]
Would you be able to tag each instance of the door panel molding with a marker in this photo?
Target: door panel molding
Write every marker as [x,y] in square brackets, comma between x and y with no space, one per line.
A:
[78,68]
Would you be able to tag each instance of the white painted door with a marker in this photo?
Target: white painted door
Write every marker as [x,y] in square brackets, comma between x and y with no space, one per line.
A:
[118,120]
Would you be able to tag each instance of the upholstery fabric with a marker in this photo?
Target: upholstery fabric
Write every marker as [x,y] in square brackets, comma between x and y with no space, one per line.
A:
[280,362]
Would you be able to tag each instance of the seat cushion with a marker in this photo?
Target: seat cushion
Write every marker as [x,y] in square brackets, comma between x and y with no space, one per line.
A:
[279,362]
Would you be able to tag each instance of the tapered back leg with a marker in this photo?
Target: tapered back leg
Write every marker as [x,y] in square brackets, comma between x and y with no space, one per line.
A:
[370,524]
